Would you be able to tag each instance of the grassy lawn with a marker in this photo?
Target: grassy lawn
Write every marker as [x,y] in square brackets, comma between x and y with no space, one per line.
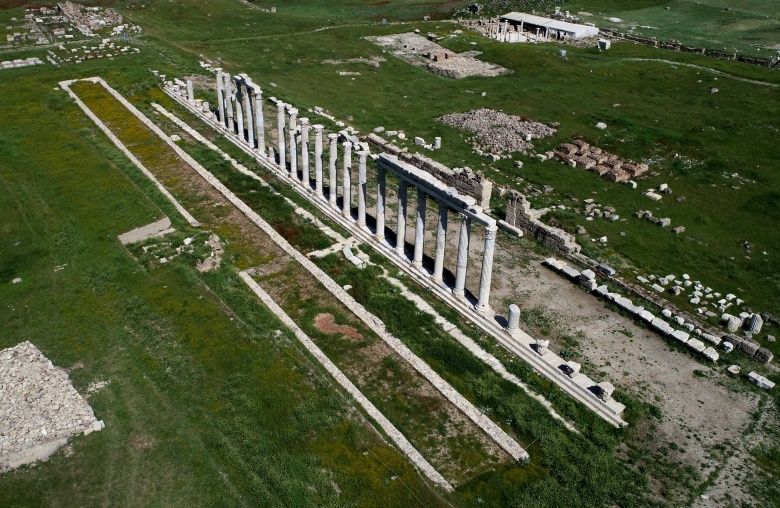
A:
[655,111]
[206,403]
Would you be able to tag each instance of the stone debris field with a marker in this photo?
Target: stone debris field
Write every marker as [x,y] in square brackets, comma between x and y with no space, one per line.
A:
[579,153]
[496,132]
[417,50]
[39,407]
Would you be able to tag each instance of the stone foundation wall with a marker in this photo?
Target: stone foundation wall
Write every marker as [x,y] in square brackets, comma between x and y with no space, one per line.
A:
[519,215]
[465,181]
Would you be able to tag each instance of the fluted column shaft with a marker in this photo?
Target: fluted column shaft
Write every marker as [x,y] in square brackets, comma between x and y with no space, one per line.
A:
[239,125]
[259,119]
[333,155]
[291,133]
[346,192]
[441,242]
[318,160]
[250,121]
[483,302]
[463,256]
[220,97]
[362,181]
[280,134]
[381,193]
[305,152]
[419,228]
[400,236]
[228,89]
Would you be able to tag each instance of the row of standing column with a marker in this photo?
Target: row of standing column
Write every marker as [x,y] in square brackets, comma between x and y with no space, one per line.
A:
[241,112]
[461,266]
[240,109]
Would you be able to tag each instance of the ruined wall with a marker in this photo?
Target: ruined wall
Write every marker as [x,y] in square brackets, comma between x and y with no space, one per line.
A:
[468,182]
[678,46]
[520,215]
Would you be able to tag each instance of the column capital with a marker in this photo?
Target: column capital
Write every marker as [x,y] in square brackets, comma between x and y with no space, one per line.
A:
[333,137]
[304,122]
[490,231]
[280,105]
[317,127]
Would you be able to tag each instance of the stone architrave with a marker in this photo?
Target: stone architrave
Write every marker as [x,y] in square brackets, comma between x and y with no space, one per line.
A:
[259,119]
[419,228]
[362,180]
[483,302]
[346,191]
[333,155]
[304,122]
[441,242]
[381,195]
[318,160]
[400,236]
[463,256]
[280,108]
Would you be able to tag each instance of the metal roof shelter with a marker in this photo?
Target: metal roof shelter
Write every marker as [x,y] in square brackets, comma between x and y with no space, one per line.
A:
[552,27]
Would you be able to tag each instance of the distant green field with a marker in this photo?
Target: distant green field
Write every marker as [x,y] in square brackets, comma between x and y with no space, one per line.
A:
[208,406]
[751,27]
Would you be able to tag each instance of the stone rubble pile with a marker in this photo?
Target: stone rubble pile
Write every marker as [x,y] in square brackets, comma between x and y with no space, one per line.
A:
[90,19]
[425,52]
[38,407]
[579,153]
[15,64]
[496,132]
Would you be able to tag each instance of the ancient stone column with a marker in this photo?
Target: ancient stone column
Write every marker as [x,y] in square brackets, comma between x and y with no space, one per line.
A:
[487,268]
[513,321]
[291,133]
[220,97]
[239,125]
[228,88]
[463,256]
[259,119]
[441,242]
[419,228]
[333,154]
[280,134]
[250,122]
[400,235]
[346,204]
[318,160]
[381,193]
[362,180]
[190,92]
[305,153]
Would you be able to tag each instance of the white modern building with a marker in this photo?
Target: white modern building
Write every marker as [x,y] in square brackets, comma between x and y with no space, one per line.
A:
[539,27]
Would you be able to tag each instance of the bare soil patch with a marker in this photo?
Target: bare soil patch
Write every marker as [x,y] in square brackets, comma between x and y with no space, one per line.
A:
[326,323]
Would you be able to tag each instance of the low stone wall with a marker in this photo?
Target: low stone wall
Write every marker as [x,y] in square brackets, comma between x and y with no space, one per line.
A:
[465,181]
[520,215]
[678,46]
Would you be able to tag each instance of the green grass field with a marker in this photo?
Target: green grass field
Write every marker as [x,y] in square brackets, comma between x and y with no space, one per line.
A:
[751,27]
[207,405]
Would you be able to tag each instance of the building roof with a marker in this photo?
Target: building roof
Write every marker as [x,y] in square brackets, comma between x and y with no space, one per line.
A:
[553,24]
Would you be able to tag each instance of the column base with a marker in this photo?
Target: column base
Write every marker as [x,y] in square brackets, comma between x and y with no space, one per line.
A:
[482,309]
[459,293]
